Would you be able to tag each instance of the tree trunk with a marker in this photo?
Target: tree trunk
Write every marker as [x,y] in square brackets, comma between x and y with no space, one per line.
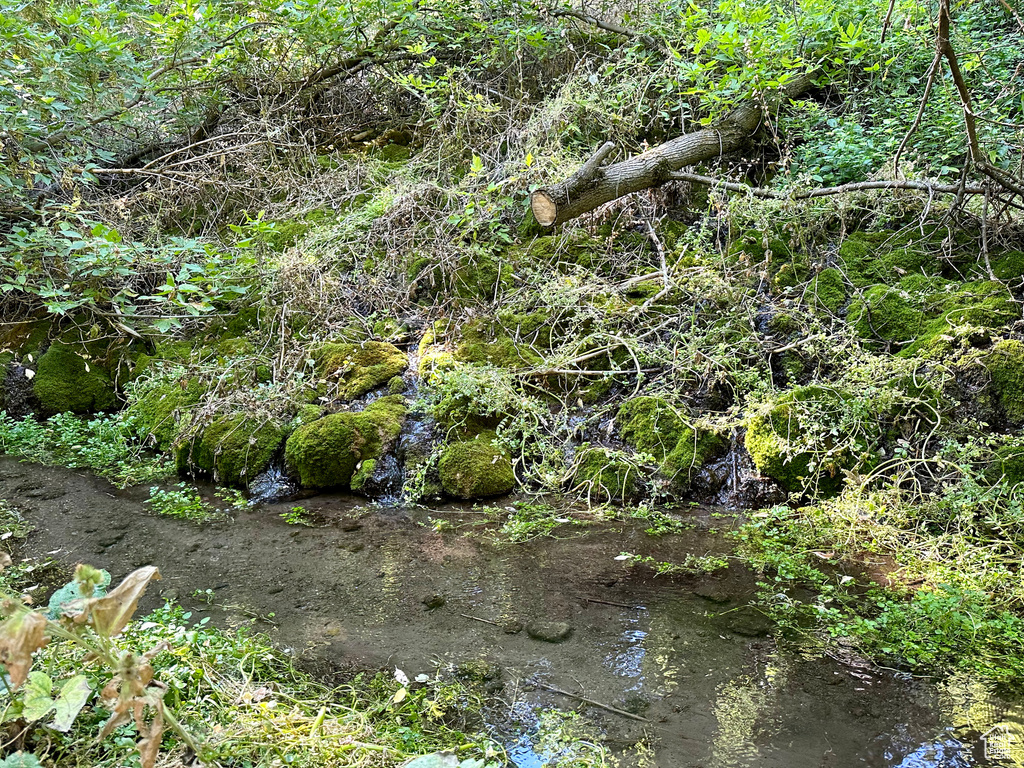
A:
[593,185]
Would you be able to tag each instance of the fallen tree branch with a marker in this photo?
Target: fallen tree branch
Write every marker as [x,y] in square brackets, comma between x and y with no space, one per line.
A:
[591,702]
[607,26]
[806,194]
[594,184]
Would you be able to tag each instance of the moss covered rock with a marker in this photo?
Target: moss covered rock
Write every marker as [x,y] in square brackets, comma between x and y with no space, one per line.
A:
[1009,267]
[605,477]
[1008,463]
[653,425]
[231,449]
[157,414]
[827,290]
[355,369]
[888,314]
[774,435]
[327,453]
[65,381]
[476,468]
[1005,364]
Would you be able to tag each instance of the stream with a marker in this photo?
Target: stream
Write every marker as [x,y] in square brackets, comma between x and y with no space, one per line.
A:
[373,587]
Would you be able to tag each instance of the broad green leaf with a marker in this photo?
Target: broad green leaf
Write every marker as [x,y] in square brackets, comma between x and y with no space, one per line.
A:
[37,696]
[73,695]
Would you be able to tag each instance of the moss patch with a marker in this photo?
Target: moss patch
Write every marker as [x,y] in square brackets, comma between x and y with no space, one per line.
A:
[157,413]
[1005,364]
[827,290]
[773,433]
[604,477]
[652,425]
[327,452]
[476,468]
[888,314]
[65,381]
[355,369]
[232,449]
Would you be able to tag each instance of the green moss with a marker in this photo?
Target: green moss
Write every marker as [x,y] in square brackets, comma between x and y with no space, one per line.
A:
[791,273]
[886,313]
[960,316]
[1008,463]
[1009,267]
[563,251]
[64,381]
[26,338]
[773,433]
[1005,364]
[827,290]
[363,473]
[327,452]
[157,413]
[499,351]
[475,468]
[533,327]
[605,477]
[393,153]
[355,369]
[232,449]
[652,425]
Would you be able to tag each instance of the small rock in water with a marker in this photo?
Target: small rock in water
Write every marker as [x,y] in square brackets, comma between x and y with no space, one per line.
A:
[549,631]
[713,592]
[750,624]
[511,626]
[478,670]
[433,601]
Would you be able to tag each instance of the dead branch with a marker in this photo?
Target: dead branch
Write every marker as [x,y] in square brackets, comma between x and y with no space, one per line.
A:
[594,184]
[856,186]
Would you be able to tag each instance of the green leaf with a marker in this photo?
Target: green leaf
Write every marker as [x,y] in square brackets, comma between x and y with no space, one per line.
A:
[73,695]
[37,696]
[21,760]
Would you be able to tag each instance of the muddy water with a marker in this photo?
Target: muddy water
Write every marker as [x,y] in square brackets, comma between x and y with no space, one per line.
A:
[685,655]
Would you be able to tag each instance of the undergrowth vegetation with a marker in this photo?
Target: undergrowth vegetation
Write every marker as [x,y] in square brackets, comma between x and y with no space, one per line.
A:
[296,241]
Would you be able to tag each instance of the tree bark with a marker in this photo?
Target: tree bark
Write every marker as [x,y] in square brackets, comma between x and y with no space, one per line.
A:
[594,185]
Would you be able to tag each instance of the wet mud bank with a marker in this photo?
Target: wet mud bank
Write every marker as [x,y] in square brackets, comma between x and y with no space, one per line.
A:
[695,667]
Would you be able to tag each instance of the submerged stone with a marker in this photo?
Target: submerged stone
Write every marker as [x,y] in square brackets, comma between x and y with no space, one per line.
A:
[549,631]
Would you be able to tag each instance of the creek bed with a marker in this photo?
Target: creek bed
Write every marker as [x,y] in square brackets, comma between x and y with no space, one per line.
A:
[372,587]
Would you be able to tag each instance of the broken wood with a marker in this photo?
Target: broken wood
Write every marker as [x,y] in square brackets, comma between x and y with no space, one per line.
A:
[591,702]
[595,184]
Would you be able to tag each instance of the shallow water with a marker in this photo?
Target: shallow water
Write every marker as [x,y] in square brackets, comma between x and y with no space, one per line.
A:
[712,688]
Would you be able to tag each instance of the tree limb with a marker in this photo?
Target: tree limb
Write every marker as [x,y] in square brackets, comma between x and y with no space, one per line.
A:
[593,184]
[857,186]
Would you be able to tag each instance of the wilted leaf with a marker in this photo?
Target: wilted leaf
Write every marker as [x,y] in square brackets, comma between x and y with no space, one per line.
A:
[21,635]
[436,760]
[73,695]
[37,696]
[400,695]
[149,747]
[112,613]
[5,560]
